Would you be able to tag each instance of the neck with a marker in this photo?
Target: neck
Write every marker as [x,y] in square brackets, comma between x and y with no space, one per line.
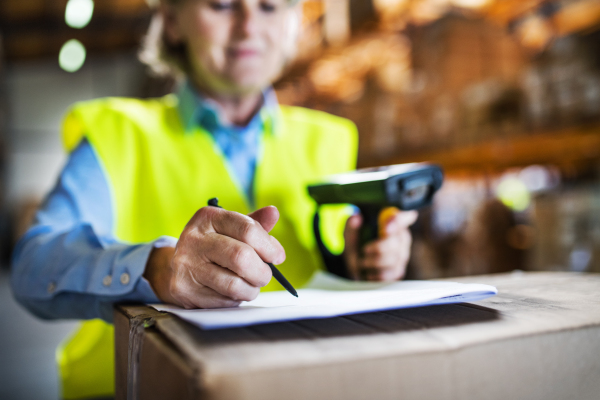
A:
[239,110]
[236,109]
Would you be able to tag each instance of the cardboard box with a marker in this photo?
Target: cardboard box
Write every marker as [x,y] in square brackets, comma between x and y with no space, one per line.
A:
[539,338]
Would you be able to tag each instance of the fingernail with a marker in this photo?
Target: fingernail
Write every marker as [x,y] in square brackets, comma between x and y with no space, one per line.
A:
[280,259]
[276,247]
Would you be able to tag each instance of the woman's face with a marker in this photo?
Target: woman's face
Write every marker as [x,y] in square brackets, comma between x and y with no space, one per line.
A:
[235,47]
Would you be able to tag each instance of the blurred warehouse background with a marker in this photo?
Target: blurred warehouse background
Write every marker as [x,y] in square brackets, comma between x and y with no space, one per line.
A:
[504,94]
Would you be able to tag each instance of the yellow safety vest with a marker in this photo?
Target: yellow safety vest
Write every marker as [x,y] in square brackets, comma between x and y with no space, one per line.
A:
[159,176]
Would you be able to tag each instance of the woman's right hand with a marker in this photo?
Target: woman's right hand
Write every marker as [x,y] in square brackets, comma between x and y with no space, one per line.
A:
[218,260]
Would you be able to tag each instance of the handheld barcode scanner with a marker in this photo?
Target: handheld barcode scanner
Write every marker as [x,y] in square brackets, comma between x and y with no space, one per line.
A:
[405,186]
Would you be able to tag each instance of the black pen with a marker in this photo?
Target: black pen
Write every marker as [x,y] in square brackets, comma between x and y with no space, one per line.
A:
[214,202]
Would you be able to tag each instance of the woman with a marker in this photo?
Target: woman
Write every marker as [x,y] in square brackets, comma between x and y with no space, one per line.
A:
[140,172]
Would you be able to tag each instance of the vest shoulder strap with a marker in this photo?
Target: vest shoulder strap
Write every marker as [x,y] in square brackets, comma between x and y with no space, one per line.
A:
[318,121]
[114,111]
[107,116]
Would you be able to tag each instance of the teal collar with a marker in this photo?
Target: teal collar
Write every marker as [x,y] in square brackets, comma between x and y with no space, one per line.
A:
[196,110]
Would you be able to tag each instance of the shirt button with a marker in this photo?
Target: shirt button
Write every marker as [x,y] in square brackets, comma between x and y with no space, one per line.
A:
[51,287]
[124,278]
[107,280]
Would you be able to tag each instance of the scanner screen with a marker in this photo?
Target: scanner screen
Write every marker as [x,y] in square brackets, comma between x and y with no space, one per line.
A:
[414,193]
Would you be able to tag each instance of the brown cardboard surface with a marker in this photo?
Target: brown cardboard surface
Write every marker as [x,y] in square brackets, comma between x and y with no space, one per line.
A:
[172,377]
[539,338]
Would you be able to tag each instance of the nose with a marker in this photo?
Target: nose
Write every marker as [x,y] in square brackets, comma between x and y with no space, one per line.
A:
[247,23]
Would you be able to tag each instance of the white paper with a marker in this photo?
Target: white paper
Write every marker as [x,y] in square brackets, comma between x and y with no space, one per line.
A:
[328,296]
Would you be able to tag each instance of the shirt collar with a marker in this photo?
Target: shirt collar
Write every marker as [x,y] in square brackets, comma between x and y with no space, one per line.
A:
[195,110]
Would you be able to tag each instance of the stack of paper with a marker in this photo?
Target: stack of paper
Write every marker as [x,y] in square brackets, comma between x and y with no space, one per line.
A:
[328,296]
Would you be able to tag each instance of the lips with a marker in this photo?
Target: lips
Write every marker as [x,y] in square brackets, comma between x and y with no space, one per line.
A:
[243,52]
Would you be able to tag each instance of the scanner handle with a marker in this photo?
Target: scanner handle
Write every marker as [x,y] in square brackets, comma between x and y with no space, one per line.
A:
[369,229]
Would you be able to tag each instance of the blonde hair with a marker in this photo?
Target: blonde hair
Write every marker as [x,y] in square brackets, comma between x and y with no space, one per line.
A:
[162,57]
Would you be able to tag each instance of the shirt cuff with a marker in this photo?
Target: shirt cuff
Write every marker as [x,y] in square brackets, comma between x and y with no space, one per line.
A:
[143,291]
[165,241]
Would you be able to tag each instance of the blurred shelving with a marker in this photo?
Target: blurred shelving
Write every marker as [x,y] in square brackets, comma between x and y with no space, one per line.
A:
[573,151]
[494,85]
[35,29]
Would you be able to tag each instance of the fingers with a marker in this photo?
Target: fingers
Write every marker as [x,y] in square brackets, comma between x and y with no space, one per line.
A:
[199,296]
[218,261]
[244,229]
[387,252]
[400,222]
[193,274]
[385,259]
[225,282]
[237,257]
[267,217]
[351,235]
[351,232]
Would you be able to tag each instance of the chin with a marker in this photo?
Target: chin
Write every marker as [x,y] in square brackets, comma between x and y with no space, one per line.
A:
[247,86]
[252,79]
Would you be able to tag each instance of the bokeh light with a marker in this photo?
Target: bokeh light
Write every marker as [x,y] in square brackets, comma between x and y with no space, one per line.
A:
[471,3]
[72,55]
[514,194]
[79,13]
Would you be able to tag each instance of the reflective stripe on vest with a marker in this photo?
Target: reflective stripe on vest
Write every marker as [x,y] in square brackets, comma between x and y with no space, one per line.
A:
[159,176]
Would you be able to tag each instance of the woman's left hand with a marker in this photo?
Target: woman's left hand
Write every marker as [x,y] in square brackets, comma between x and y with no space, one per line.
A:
[385,258]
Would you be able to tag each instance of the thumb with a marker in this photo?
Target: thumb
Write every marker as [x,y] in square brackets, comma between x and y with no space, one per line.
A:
[351,234]
[267,217]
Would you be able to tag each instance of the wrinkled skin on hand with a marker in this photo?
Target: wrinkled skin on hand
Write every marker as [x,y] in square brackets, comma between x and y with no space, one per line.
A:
[218,260]
[383,259]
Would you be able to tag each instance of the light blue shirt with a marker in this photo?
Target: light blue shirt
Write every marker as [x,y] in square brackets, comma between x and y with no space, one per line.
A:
[69,264]
[239,145]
